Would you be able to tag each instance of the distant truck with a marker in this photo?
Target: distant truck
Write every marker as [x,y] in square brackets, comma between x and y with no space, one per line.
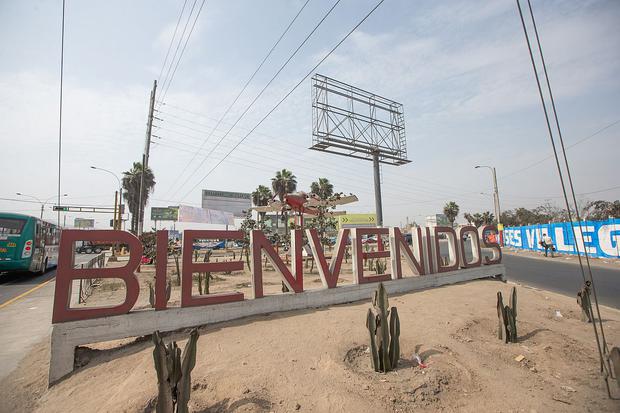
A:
[88,247]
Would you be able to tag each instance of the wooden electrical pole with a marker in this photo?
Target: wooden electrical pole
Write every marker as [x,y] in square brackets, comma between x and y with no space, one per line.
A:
[145,159]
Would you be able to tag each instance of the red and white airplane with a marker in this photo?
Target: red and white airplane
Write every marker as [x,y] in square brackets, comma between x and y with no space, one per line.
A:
[305,204]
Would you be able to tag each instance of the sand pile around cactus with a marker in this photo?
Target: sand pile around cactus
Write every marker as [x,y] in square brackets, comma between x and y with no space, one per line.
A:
[317,361]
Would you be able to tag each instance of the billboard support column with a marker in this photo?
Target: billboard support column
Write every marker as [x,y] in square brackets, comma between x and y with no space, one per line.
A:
[377,172]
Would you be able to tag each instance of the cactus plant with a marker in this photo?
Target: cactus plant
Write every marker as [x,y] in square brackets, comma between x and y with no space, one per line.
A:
[384,337]
[507,317]
[152,293]
[380,267]
[176,262]
[583,299]
[174,373]
[614,358]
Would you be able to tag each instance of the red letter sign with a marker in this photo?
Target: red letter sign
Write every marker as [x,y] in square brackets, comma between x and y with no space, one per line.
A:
[490,243]
[259,243]
[359,255]
[66,273]
[329,275]
[189,268]
[397,240]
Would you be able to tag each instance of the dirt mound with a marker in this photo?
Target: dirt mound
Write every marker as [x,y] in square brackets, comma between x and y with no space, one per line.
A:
[413,385]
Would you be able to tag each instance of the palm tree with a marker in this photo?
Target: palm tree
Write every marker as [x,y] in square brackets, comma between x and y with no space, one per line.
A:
[131,185]
[261,197]
[322,188]
[451,211]
[282,184]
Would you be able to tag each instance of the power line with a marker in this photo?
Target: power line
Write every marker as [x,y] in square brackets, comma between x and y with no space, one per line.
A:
[402,189]
[261,92]
[603,351]
[393,179]
[182,51]
[568,147]
[287,95]
[176,50]
[171,42]
[243,89]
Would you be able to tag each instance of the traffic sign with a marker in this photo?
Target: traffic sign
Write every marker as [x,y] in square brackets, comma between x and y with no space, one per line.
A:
[357,220]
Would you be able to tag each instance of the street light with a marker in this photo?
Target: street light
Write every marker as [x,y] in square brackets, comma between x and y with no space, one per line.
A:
[43,203]
[120,190]
[495,193]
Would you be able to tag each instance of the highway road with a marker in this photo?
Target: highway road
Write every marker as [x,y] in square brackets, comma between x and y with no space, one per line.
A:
[563,277]
[13,285]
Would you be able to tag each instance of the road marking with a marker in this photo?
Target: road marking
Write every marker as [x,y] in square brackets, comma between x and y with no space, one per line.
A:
[22,295]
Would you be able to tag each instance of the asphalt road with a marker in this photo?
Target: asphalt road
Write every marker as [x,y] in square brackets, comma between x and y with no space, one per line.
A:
[12,285]
[562,277]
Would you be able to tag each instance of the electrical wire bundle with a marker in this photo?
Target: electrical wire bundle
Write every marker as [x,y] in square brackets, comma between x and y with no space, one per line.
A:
[588,281]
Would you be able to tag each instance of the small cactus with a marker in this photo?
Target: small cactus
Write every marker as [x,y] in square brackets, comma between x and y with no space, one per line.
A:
[152,293]
[507,317]
[384,336]
[174,370]
[380,267]
[583,299]
[176,262]
[614,358]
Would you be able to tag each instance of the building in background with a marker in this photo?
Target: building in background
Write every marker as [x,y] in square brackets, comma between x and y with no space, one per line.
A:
[83,223]
[233,202]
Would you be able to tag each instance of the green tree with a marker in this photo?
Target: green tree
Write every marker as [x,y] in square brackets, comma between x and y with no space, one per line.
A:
[261,197]
[451,211]
[600,210]
[322,188]
[131,187]
[282,184]
[479,219]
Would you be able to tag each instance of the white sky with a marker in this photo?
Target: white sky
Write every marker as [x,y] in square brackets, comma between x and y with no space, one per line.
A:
[460,68]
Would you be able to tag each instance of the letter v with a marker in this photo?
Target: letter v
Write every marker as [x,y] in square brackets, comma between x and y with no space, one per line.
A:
[329,275]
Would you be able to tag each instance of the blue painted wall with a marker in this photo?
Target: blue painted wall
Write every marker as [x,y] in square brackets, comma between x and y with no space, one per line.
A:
[600,238]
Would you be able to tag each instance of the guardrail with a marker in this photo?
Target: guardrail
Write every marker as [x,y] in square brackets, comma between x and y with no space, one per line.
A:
[86,286]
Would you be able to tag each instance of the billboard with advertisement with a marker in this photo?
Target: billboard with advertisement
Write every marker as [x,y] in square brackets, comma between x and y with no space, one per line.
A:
[205,216]
[164,213]
[233,202]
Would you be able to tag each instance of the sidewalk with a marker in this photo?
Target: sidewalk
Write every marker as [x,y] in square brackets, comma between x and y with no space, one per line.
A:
[567,258]
[23,324]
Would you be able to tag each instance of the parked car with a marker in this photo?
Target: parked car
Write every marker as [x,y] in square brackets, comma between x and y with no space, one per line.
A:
[95,247]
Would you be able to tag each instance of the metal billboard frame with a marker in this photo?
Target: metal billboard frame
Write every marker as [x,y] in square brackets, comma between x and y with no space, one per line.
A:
[358,124]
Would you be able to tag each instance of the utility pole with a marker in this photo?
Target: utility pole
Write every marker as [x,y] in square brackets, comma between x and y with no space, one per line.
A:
[495,193]
[377,173]
[496,199]
[145,159]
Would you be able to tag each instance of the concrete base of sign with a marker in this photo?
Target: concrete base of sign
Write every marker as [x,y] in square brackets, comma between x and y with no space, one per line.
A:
[67,336]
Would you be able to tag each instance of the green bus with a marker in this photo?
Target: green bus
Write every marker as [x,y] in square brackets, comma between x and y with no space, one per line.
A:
[27,243]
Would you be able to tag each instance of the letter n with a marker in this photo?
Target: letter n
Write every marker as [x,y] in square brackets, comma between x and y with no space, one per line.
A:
[398,243]
[258,244]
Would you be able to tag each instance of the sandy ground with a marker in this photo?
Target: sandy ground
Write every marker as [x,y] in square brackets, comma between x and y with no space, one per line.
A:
[317,361]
